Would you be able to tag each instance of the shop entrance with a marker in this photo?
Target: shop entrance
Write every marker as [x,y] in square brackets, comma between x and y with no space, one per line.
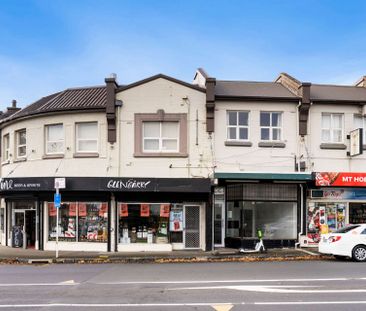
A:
[191,226]
[24,228]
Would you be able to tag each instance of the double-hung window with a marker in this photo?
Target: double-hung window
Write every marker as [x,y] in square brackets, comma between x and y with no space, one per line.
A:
[6,147]
[332,127]
[87,137]
[360,122]
[271,126]
[237,125]
[54,139]
[21,143]
[160,136]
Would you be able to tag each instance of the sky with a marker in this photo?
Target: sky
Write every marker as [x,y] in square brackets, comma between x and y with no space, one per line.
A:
[47,46]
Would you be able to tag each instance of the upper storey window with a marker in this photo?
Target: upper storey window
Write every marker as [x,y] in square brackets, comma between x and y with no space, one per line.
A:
[6,147]
[360,122]
[86,137]
[271,126]
[237,125]
[54,139]
[160,134]
[21,143]
[332,128]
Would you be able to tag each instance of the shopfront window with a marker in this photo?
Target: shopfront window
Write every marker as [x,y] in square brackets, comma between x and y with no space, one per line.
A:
[277,220]
[79,222]
[144,223]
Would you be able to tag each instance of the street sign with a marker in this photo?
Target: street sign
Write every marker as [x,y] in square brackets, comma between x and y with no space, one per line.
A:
[57,200]
[60,183]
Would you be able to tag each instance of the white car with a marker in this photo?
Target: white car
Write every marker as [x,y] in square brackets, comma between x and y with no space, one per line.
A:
[349,241]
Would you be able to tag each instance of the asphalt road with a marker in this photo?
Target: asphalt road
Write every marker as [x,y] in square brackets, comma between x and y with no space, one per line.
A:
[302,285]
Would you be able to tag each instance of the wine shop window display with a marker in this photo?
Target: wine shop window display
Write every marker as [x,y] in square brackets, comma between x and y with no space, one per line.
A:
[144,223]
[79,222]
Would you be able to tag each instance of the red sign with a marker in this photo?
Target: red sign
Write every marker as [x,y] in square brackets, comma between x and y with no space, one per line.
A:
[164,210]
[82,209]
[340,179]
[103,209]
[72,209]
[123,210]
[51,209]
[145,210]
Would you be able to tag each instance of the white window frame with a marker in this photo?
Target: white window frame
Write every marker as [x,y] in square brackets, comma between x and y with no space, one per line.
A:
[271,127]
[160,138]
[18,145]
[6,147]
[363,125]
[237,126]
[331,128]
[77,140]
[47,126]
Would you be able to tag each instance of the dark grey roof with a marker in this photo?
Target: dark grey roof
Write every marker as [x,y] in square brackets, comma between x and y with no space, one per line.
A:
[70,99]
[270,90]
[322,92]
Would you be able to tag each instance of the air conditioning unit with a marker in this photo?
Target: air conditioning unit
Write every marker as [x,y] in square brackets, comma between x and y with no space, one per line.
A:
[315,193]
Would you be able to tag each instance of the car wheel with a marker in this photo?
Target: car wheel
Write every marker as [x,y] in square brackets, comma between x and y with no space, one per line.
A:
[359,253]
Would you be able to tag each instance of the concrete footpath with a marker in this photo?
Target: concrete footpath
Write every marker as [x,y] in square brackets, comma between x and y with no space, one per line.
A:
[10,255]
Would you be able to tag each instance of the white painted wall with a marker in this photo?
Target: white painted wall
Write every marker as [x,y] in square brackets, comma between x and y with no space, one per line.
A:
[327,159]
[255,158]
[166,95]
[35,165]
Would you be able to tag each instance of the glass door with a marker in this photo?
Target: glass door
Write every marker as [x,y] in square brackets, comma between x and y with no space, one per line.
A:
[18,228]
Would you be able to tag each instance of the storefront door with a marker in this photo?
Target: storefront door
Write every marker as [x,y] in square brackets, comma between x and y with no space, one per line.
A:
[24,228]
[247,223]
[219,224]
[191,234]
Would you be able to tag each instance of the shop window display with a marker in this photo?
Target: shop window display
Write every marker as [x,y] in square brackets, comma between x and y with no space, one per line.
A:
[79,222]
[143,223]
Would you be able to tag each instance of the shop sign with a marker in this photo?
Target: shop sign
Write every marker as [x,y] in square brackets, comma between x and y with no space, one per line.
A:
[340,179]
[124,210]
[11,184]
[145,210]
[164,210]
[176,220]
[129,184]
[72,209]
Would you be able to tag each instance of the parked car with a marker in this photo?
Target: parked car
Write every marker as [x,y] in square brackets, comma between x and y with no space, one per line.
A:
[349,241]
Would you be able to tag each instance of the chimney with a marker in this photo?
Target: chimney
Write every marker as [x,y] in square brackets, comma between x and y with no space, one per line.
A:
[13,107]
[111,87]
[304,91]
[210,104]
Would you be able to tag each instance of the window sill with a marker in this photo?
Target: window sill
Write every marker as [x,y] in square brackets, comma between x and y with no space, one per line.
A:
[333,146]
[238,143]
[5,162]
[86,155]
[53,156]
[20,160]
[271,144]
[160,155]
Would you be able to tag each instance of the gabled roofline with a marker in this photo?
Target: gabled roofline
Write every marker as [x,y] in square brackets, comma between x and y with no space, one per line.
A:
[160,76]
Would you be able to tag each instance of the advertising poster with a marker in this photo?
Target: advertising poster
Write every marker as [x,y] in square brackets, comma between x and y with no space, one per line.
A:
[82,209]
[164,210]
[123,212]
[145,210]
[72,209]
[51,209]
[340,179]
[176,220]
[103,210]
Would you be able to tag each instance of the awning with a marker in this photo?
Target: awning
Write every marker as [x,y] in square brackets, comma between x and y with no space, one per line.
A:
[265,176]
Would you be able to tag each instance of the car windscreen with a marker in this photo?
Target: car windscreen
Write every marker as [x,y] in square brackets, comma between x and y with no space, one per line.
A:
[346,229]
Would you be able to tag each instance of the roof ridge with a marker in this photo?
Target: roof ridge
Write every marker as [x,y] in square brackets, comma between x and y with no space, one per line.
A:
[241,81]
[337,85]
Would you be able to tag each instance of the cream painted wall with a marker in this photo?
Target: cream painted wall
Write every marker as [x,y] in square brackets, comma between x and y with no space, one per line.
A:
[166,95]
[35,165]
[255,158]
[327,159]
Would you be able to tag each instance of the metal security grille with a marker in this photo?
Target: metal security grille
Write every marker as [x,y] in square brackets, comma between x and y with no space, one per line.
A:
[192,226]
[265,192]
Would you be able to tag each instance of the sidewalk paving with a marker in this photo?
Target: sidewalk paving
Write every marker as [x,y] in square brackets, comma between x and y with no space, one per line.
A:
[10,255]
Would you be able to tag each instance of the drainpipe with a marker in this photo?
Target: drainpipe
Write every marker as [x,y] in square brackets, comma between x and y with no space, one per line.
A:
[301,215]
